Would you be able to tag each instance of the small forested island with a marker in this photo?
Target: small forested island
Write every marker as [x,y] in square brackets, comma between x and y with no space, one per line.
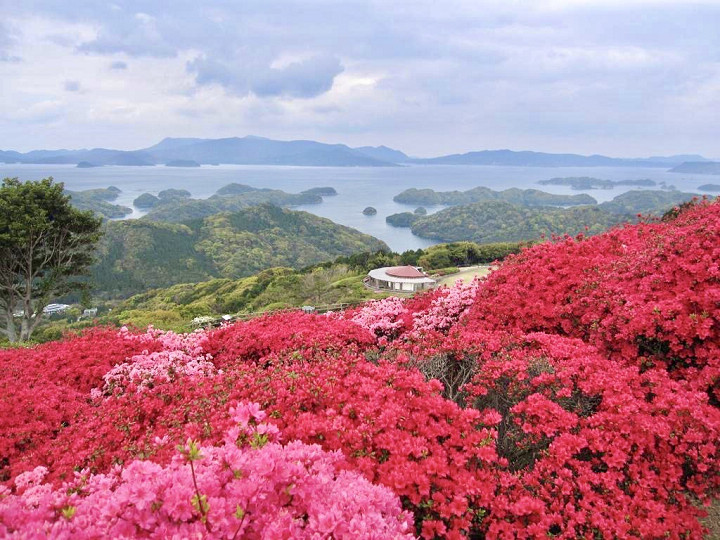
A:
[177,206]
[235,189]
[370,211]
[587,182]
[525,197]
[173,194]
[182,163]
[698,167]
[86,165]
[322,191]
[403,219]
[98,200]
[146,200]
[499,221]
[646,202]
[420,211]
[709,187]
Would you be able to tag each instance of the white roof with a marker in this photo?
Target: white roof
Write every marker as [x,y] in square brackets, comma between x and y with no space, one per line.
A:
[381,273]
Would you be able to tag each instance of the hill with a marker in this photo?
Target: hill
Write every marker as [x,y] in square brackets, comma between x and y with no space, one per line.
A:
[524,197]
[99,201]
[499,221]
[496,221]
[173,208]
[138,255]
[587,182]
[260,151]
[698,167]
[542,159]
[251,150]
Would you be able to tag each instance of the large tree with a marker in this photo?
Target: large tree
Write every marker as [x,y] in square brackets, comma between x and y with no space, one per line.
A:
[45,246]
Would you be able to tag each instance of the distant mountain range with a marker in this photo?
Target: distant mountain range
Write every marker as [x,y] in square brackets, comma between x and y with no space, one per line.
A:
[253,150]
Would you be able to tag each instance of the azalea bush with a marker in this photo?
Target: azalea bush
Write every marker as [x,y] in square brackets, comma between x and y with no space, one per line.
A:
[248,487]
[570,394]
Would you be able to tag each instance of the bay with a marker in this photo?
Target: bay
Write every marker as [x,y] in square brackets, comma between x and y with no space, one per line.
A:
[357,187]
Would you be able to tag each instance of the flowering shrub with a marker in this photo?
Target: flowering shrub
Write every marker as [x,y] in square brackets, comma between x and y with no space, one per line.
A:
[593,445]
[574,399]
[646,294]
[446,308]
[44,389]
[181,355]
[250,487]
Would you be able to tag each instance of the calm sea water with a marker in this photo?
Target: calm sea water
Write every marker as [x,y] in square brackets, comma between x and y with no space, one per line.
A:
[357,187]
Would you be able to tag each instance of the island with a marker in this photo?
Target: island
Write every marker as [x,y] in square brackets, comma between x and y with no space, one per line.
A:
[98,200]
[146,200]
[369,211]
[403,219]
[420,211]
[322,191]
[173,194]
[709,187]
[523,197]
[587,182]
[182,163]
[698,167]
[87,165]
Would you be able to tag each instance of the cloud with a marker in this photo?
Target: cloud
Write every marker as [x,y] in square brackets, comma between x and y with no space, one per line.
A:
[72,86]
[625,78]
[303,79]
[139,35]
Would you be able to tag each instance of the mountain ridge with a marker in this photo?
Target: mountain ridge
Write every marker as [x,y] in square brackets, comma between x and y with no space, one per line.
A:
[254,150]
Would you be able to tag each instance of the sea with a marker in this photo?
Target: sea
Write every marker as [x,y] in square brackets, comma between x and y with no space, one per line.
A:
[357,187]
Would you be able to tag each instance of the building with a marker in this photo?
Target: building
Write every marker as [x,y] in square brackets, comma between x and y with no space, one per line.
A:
[399,279]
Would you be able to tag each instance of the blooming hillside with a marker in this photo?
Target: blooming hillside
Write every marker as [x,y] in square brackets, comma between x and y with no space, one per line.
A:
[572,394]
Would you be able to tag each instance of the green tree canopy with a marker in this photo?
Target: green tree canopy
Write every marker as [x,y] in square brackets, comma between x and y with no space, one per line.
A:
[45,245]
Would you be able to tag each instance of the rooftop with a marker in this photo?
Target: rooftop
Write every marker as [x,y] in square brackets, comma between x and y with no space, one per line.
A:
[405,272]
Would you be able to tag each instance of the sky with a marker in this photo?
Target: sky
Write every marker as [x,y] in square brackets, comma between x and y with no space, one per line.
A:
[622,78]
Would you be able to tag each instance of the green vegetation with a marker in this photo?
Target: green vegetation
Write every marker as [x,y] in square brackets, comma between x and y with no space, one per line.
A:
[45,245]
[524,197]
[495,221]
[467,254]
[172,194]
[403,219]
[146,200]
[329,282]
[98,201]
[646,202]
[587,182]
[503,222]
[421,211]
[137,255]
[177,207]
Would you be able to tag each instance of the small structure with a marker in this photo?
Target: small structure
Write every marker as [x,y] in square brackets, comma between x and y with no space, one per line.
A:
[91,312]
[399,279]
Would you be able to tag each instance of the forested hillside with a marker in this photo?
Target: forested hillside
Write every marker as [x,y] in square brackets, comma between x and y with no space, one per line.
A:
[138,255]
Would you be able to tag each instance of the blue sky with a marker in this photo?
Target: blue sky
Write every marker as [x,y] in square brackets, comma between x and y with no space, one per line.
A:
[631,78]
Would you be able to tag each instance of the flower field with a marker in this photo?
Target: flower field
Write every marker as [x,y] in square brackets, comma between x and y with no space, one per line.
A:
[573,393]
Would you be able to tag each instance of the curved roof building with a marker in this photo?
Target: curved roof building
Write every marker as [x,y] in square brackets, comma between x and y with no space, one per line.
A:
[399,279]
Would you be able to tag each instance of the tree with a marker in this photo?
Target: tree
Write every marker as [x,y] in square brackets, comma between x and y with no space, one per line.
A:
[45,244]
